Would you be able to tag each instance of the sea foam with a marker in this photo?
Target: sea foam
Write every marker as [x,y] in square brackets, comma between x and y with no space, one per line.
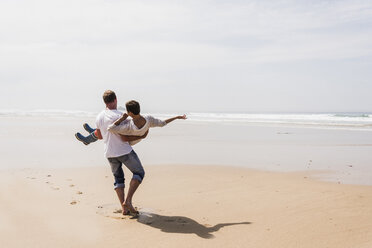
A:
[329,120]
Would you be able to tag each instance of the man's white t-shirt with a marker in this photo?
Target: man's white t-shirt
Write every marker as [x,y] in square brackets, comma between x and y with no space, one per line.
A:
[113,144]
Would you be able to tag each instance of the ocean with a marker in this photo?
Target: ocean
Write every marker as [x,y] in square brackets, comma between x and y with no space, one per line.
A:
[346,120]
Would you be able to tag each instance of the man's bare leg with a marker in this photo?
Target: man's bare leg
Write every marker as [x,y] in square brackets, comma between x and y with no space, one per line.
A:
[121,196]
[128,202]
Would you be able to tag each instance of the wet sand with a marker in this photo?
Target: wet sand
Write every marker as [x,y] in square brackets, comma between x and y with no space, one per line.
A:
[341,155]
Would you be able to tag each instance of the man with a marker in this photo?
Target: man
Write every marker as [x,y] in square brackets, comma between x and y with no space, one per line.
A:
[118,151]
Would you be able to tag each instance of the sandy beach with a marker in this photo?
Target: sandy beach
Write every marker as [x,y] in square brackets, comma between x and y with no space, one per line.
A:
[183,206]
[56,192]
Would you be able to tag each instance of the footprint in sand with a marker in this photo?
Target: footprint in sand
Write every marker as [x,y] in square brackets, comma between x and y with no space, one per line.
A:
[55,188]
[79,193]
[71,185]
[73,202]
[111,211]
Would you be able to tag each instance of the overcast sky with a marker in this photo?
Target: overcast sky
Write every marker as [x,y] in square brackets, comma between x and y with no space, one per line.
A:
[205,56]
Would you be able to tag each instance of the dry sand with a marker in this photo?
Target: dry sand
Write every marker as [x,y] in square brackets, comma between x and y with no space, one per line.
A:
[182,206]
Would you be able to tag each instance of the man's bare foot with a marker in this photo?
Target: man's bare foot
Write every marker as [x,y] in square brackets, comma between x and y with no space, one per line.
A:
[125,210]
[128,209]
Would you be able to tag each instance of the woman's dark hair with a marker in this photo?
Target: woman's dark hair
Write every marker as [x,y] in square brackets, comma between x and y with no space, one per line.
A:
[133,107]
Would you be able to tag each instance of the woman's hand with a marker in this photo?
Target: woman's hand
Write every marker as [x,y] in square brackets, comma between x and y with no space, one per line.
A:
[121,119]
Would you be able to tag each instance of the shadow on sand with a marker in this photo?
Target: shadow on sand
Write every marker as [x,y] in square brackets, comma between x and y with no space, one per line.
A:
[180,224]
